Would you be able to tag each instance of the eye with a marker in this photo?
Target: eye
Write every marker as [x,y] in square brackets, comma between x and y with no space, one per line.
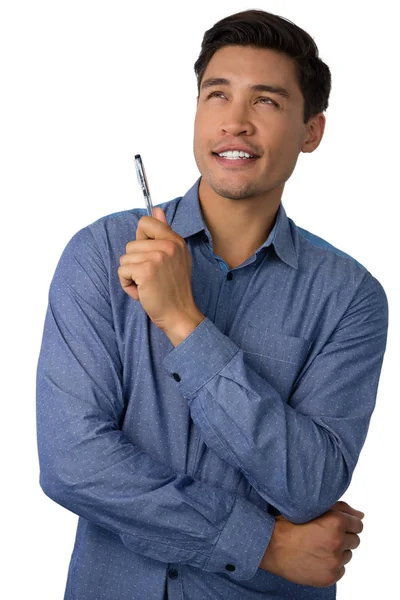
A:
[215,94]
[269,100]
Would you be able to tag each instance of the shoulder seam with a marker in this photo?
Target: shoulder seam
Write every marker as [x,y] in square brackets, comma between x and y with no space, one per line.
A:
[328,248]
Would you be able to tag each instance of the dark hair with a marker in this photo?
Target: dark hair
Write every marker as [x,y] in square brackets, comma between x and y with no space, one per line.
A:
[265,30]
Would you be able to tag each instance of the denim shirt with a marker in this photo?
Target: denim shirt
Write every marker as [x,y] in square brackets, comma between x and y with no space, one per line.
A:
[177,459]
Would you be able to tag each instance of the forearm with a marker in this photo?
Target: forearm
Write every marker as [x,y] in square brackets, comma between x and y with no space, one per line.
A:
[298,452]
[292,462]
[91,468]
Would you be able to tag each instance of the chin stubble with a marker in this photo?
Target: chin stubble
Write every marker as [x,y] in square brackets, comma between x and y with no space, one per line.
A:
[232,191]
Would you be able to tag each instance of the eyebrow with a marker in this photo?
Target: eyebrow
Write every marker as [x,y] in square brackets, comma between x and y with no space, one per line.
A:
[259,87]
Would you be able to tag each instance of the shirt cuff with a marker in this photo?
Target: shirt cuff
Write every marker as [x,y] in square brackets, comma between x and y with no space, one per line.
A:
[201,356]
[242,542]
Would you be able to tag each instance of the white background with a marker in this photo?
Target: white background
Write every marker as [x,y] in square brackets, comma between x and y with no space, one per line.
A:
[86,85]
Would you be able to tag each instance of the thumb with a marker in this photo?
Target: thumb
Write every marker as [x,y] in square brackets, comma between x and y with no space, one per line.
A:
[159,214]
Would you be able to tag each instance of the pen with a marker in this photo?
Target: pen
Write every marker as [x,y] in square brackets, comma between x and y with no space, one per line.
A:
[142,179]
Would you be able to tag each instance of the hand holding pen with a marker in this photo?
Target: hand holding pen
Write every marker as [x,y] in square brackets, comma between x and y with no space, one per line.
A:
[157,271]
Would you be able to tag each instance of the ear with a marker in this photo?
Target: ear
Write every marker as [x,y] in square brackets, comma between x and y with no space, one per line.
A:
[315,131]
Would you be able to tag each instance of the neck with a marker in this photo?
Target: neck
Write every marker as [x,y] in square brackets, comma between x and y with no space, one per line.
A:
[238,227]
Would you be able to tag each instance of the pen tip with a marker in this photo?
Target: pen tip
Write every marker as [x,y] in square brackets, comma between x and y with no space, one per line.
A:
[137,155]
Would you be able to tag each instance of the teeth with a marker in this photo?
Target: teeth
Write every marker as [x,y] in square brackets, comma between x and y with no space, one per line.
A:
[234,154]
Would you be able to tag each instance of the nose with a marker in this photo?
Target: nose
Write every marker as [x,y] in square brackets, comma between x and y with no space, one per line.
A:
[236,120]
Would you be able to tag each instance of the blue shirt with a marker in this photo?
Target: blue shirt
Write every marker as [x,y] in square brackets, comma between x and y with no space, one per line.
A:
[177,460]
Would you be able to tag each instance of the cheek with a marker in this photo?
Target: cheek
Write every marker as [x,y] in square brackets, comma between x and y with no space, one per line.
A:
[197,129]
[199,142]
[201,125]
[203,137]
[286,138]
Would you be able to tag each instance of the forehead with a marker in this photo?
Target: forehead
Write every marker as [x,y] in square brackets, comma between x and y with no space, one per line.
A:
[246,65]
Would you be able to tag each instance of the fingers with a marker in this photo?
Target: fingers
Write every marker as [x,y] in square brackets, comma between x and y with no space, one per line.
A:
[346,508]
[348,518]
[340,574]
[149,245]
[347,556]
[352,524]
[154,228]
[131,259]
[351,541]
[344,522]
[128,285]
[125,276]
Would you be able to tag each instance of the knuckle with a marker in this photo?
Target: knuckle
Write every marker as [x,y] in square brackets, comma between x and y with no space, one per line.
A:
[148,268]
[331,562]
[171,247]
[335,543]
[336,571]
[335,562]
[158,256]
[334,520]
[331,576]
[338,519]
[340,574]
[347,555]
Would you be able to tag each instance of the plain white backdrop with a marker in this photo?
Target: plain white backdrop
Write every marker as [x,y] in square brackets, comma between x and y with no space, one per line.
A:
[85,85]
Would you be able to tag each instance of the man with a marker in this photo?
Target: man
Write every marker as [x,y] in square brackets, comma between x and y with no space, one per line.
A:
[205,389]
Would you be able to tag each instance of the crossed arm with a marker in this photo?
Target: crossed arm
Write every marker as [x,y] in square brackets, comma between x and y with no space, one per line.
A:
[91,468]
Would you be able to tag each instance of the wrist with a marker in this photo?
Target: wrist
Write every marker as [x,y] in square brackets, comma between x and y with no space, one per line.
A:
[269,561]
[183,326]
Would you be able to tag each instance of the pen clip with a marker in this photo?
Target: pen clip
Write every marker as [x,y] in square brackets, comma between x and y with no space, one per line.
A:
[140,174]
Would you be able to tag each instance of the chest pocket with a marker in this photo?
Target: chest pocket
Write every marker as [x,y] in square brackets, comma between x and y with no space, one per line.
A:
[276,357]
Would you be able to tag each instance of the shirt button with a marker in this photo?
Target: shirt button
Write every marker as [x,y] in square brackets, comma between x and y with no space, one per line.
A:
[229,276]
[172,573]
[230,567]
[176,376]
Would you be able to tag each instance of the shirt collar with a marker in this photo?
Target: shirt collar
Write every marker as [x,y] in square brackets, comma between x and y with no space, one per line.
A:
[188,220]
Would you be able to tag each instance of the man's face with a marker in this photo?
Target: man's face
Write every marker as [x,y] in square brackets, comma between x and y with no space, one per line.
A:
[234,114]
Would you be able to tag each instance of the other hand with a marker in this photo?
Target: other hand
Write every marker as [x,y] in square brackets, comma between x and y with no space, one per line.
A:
[314,553]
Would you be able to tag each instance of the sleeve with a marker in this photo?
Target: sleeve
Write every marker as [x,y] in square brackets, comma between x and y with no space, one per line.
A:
[298,454]
[90,467]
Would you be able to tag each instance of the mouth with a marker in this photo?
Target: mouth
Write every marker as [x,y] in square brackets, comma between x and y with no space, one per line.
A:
[235,160]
